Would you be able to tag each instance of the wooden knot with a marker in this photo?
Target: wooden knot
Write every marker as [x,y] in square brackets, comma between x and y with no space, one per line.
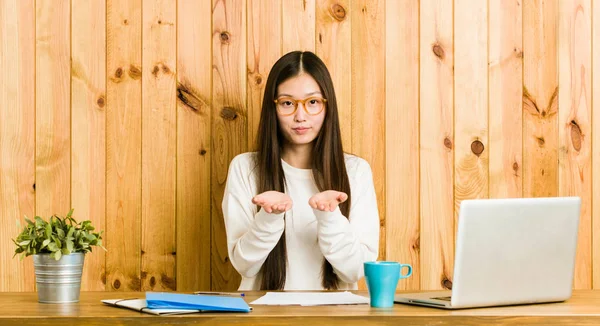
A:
[101,102]
[515,166]
[224,37]
[576,135]
[160,22]
[125,22]
[188,98]
[338,12]
[477,147]
[416,246]
[168,282]
[541,141]
[160,66]
[518,53]
[438,51]
[448,143]
[119,72]
[258,80]
[135,72]
[228,113]
[117,284]
[152,281]
[202,152]
[446,283]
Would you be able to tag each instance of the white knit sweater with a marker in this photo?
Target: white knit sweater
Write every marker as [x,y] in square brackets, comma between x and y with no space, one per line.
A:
[310,234]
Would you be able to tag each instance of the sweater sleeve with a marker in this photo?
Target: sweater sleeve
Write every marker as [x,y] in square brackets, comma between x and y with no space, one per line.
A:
[250,236]
[348,243]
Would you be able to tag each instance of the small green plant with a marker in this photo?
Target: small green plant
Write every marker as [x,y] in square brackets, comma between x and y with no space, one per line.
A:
[59,236]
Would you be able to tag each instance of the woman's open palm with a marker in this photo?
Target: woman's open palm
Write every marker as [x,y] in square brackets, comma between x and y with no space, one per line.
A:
[273,202]
[327,200]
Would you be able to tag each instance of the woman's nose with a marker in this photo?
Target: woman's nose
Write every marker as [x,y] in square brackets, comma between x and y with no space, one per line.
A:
[300,114]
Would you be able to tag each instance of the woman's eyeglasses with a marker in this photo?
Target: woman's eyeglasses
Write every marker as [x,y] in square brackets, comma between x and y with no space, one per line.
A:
[312,105]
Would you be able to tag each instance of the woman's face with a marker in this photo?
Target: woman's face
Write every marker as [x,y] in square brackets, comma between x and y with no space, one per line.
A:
[302,92]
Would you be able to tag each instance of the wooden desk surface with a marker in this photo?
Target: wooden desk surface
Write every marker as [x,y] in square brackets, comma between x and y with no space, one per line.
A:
[23,309]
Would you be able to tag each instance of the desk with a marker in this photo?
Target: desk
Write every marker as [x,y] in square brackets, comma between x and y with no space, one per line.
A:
[23,309]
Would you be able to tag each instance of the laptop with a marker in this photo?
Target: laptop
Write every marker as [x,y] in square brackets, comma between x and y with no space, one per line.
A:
[510,252]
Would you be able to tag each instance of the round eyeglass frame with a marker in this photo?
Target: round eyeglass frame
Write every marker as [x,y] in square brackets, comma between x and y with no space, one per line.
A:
[298,101]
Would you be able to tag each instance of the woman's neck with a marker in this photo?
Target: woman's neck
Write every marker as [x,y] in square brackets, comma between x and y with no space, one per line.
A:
[298,156]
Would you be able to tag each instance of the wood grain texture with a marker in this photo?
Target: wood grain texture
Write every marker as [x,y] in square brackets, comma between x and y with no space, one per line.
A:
[596,147]
[123,144]
[159,132]
[229,124]
[582,309]
[88,123]
[436,117]
[334,47]
[540,98]
[53,114]
[299,24]
[368,96]
[471,158]
[193,145]
[402,122]
[505,99]
[575,122]
[17,137]
[264,49]
[52,121]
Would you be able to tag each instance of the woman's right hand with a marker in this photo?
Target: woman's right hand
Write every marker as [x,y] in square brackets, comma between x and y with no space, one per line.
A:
[273,202]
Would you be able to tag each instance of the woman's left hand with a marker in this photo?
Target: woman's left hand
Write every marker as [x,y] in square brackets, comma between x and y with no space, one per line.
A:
[327,200]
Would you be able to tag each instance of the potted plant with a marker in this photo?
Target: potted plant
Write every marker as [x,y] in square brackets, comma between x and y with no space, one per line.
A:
[58,247]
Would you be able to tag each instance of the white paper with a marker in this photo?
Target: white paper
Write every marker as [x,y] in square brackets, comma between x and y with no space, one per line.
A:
[310,298]
[141,306]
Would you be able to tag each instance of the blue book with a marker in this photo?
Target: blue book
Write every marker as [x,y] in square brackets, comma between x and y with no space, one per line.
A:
[167,300]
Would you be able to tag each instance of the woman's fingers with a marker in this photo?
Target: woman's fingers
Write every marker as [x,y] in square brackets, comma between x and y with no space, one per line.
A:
[312,202]
[277,208]
[273,202]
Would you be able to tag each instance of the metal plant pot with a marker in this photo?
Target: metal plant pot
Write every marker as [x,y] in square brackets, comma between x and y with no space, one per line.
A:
[58,281]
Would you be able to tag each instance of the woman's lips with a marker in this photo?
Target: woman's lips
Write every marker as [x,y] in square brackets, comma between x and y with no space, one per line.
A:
[300,130]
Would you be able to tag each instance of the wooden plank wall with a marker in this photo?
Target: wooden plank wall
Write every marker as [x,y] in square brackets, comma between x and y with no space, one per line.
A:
[130,111]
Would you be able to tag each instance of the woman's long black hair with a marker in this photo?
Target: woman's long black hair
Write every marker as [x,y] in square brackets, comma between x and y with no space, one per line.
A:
[328,167]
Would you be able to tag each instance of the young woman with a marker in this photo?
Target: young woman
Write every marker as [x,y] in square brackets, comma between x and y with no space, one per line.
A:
[299,213]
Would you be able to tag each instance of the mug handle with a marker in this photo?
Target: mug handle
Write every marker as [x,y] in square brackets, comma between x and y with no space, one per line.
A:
[409,273]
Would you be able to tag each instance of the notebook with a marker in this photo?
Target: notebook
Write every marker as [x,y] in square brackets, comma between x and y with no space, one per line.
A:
[166,303]
[168,300]
[142,306]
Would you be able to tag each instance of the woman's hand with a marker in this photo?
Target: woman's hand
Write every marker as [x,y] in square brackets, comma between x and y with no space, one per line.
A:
[273,202]
[327,200]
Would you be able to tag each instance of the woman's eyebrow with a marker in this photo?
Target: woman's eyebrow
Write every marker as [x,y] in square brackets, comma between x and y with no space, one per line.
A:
[307,94]
[313,93]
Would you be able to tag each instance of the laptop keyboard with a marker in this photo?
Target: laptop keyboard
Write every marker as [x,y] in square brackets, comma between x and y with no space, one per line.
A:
[443,298]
